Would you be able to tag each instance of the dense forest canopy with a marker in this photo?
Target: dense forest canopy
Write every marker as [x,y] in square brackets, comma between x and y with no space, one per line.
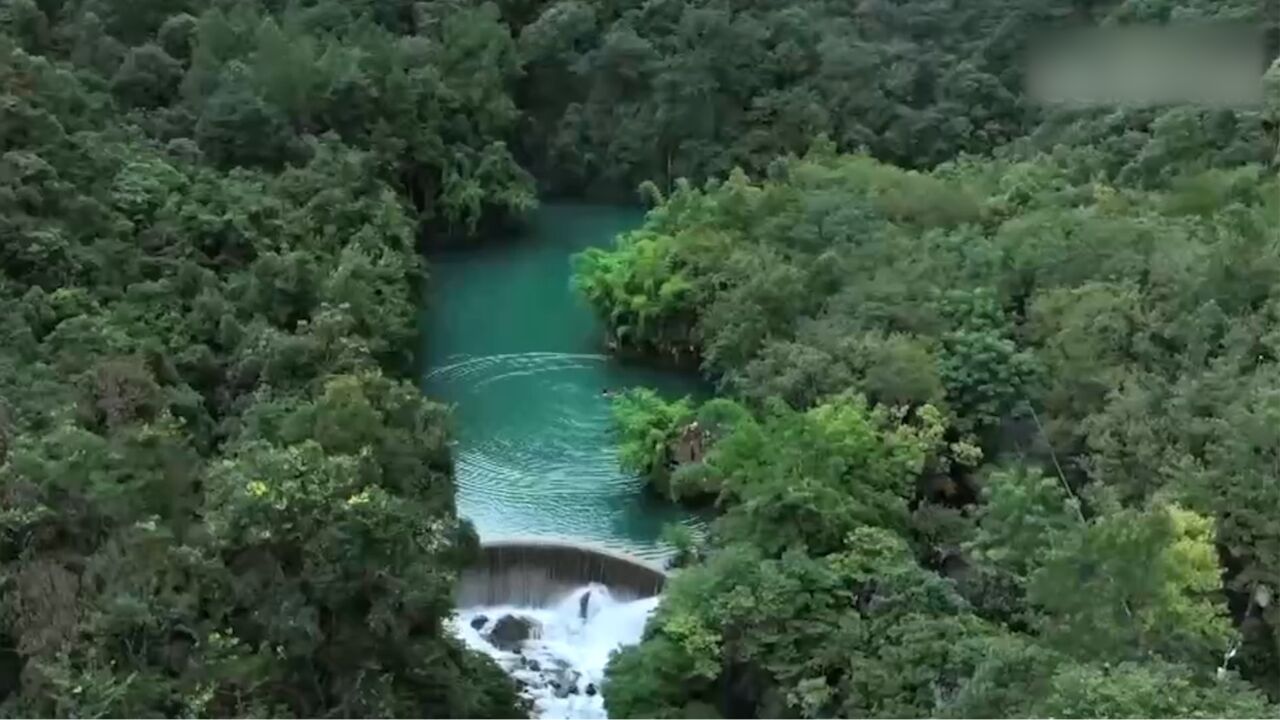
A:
[625,91]
[997,429]
[997,442]
[222,494]
[997,437]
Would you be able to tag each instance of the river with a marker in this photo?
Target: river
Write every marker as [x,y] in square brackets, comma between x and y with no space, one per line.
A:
[510,344]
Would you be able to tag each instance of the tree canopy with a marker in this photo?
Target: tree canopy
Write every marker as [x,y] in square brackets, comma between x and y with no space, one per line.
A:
[221,494]
[1044,382]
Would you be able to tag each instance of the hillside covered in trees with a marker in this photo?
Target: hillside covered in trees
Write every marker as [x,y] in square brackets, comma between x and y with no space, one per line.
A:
[998,441]
[223,494]
[997,434]
[996,438]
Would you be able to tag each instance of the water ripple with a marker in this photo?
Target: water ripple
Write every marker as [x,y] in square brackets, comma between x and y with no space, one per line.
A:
[536,454]
[534,361]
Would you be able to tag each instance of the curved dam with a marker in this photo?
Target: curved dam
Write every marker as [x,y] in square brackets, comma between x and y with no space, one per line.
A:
[536,572]
[552,612]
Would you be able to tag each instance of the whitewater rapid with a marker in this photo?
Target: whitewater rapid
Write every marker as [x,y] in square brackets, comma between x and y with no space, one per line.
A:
[561,668]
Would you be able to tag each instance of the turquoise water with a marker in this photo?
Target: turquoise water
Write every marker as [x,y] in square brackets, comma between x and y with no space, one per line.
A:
[519,355]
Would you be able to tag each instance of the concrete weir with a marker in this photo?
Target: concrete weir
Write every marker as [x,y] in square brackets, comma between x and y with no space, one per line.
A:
[535,572]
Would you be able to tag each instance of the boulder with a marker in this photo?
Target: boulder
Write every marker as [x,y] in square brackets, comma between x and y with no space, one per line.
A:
[591,690]
[510,631]
[565,682]
[478,622]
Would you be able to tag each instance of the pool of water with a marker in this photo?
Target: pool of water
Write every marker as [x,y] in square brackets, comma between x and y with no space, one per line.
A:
[520,356]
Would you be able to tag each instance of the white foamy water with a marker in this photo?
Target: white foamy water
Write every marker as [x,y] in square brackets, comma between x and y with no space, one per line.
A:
[562,669]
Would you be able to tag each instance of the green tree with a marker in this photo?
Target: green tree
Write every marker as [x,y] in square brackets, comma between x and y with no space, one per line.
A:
[1133,584]
[148,77]
[238,127]
[648,428]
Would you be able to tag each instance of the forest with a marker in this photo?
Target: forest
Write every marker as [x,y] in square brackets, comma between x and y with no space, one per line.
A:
[996,435]
[996,423]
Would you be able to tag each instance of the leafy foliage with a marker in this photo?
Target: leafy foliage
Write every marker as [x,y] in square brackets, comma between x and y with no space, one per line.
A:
[627,91]
[218,496]
[1064,357]
[647,427]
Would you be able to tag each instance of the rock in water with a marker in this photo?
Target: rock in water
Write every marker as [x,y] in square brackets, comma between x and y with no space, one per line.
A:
[591,690]
[582,604]
[564,681]
[478,622]
[512,630]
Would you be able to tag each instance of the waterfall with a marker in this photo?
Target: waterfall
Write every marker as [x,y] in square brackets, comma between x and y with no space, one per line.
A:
[557,653]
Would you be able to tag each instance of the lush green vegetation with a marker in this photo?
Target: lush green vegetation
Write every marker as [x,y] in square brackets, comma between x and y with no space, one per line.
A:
[221,497]
[997,433]
[623,91]
[996,436]
[987,418]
